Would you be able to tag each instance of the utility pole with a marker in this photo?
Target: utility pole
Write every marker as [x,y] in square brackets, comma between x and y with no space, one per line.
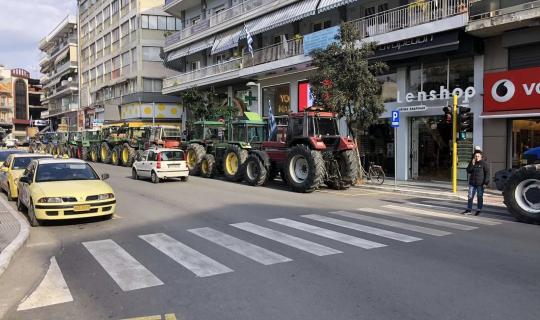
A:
[454,144]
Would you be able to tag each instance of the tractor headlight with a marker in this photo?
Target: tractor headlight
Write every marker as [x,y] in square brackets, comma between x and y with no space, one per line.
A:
[105,196]
[50,200]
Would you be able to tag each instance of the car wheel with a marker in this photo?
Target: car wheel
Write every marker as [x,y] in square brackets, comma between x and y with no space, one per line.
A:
[20,206]
[155,178]
[184,179]
[134,174]
[34,222]
[107,217]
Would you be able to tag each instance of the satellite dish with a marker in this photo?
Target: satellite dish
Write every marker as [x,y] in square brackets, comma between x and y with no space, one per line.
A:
[70,79]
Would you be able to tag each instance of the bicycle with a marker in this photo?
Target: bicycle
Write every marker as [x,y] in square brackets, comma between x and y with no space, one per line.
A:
[374,174]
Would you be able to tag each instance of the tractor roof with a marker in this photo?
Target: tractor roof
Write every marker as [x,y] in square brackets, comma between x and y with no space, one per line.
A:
[210,123]
[250,118]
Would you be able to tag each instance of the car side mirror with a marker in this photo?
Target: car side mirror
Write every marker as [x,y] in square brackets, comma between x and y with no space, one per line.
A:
[105,176]
[24,179]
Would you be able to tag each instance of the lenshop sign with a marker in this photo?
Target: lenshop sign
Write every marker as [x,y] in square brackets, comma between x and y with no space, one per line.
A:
[442,94]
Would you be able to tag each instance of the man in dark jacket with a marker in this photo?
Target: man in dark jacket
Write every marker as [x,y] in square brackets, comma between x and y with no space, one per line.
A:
[478,178]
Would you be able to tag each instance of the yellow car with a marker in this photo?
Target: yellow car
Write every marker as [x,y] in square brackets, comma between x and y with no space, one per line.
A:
[5,153]
[13,168]
[58,189]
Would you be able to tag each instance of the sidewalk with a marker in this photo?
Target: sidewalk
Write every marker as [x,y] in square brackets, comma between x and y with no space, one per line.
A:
[14,231]
[440,190]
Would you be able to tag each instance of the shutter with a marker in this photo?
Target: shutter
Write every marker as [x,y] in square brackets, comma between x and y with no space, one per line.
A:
[524,56]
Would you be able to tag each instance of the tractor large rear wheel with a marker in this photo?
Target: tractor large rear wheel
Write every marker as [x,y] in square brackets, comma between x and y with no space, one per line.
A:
[348,170]
[233,163]
[304,169]
[255,172]
[115,156]
[208,166]
[85,153]
[128,155]
[94,153]
[522,194]
[195,154]
[105,153]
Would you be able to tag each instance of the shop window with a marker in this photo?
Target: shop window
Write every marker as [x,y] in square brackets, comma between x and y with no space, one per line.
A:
[434,75]
[415,79]
[279,97]
[462,75]
[388,84]
[525,135]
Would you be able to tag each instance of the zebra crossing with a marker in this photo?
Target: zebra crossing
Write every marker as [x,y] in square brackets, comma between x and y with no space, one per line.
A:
[390,223]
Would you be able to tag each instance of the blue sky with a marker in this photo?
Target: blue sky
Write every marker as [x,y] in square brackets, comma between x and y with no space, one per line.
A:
[23,23]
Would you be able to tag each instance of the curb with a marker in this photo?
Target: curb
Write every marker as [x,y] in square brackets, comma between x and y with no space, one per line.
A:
[24,231]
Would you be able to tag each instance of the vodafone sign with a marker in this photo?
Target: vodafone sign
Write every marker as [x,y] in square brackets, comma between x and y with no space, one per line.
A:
[512,90]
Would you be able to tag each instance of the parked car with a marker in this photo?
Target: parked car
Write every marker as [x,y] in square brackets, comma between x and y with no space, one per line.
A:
[11,143]
[160,163]
[57,189]
[12,170]
[5,153]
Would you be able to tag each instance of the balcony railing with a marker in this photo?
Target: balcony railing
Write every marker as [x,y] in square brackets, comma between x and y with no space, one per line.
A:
[264,55]
[480,10]
[219,18]
[410,15]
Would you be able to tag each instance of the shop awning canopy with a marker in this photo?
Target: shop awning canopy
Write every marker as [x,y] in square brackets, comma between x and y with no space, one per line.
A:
[227,40]
[511,114]
[326,5]
[195,47]
[62,56]
[282,17]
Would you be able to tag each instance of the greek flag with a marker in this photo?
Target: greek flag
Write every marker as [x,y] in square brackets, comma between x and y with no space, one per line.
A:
[249,40]
[272,125]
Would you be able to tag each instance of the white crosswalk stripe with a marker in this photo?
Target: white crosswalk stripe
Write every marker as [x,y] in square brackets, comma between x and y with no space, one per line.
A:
[393,223]
[484,221]
[125,270]
[241,247]
[189,258]
[501,210]
[367,229]
[439,223]
[341,237]
[292,241]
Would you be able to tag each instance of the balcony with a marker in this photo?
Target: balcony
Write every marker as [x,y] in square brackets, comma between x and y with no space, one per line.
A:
[60,109]
[227,18]
[493,18]
[413,20]
[231,69]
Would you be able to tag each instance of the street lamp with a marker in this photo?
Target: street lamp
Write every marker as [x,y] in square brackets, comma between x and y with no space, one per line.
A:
[259,94]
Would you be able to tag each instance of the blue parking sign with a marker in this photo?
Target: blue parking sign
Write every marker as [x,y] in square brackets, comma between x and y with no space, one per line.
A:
[395,118]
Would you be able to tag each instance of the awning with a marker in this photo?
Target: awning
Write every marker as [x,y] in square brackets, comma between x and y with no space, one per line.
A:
[326,5]
[62,56]
[195,47]
[227,40]
[533,113]
[282,17]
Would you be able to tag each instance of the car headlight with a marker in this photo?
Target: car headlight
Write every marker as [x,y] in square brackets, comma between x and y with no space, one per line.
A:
[105,196]
[50,200]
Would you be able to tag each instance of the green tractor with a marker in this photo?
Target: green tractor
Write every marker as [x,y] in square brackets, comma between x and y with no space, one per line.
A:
[115,139]
[148,137]
[72,144]
[91,145]
[229,155]
[208,136]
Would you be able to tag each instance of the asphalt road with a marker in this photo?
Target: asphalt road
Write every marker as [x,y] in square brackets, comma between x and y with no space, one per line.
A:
[173,252]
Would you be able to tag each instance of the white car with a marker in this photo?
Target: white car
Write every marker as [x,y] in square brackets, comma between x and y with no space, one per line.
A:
[160,163]
[11,143]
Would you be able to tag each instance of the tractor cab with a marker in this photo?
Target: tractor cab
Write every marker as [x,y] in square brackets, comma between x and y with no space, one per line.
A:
[248,130]
[165,136]
[209,131]
[74,136]
[91,135]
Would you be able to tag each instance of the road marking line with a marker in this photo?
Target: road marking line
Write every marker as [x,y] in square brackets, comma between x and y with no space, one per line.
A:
[292,241]
[484,221]
[189,258]
[359,227]
[53,289]
[168,316]
[241,247]
[441,208]
[462,207]
[439,223]
[125,270]
[392,223]
[326,233]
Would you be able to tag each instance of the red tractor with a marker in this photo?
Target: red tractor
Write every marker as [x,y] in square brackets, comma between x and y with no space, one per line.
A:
[308,151]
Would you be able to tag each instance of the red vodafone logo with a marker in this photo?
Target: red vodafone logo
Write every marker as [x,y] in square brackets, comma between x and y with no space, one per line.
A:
[512,90]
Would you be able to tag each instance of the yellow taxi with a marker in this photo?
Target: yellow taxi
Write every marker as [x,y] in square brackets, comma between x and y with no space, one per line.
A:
[58,189]
[6,152]
[13,168]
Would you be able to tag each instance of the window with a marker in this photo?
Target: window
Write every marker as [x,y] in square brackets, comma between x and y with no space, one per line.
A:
[279,97]
[151,54]
[382,7]
[152,156]
[462,75]
[195,20]
[369,11]
[195,65]
[106,43]
[434,75]
[62,171]
[322,25]
[152,85]
[133,23]
[171,23]
[218,9]
[20,99]
[115,35]
[124,3]
[114,7]
[115,67]
[152,22]
[106,16]
[134,58]
[388,84]
[124,29]
[162,23]
[144,21]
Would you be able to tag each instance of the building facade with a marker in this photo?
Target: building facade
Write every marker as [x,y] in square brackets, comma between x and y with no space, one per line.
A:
[121,70]
[20,99]
[60,80]
[511,114]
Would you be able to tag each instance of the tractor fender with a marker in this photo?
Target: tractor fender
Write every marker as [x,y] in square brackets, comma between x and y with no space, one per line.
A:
[346,144]
[263,156]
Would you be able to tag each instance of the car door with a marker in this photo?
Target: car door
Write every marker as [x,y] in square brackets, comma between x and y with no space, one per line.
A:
[4,172]
[24,188]
[151,161]
[142,169]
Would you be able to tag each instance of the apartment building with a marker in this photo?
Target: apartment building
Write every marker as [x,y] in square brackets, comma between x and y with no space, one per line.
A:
[60,80]
[511,115]
[20,98]
[430,56]
[121,69]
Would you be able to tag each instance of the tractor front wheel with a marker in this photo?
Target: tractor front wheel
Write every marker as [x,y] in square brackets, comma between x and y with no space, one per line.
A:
[304,169]
[85,152]
[522,194]
[105,153]
[233,163]
[127,155]
[195,154]
[94,153]
[255,172]
[208,166]
[115,156]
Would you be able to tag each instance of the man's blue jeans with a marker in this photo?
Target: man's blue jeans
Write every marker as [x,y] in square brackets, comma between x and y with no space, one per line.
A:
[479,190]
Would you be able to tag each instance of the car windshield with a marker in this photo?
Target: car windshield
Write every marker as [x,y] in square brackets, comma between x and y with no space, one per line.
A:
[63,171]
[22,162]
[5,154]
[172,155]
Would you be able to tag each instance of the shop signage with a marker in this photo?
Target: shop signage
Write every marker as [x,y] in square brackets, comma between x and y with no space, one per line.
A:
[442,94]
[412,108]
[320,39]
[512,90]
[395,118]
[418,46]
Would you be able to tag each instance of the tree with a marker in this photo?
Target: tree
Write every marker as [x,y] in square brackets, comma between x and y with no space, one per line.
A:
[345,81]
